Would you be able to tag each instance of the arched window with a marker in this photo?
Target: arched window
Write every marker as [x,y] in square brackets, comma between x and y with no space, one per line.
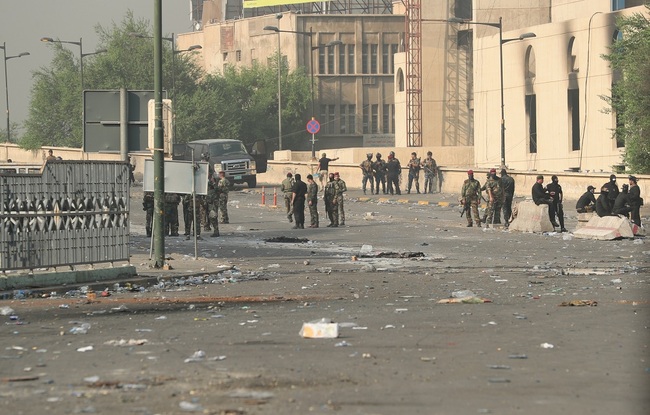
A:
[572,56]
[400,80]
[531,99]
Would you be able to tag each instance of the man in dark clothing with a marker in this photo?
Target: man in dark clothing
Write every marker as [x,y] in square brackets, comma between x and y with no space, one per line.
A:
[298,202]
[611,191]
[622,203]
[602,205]
[394,169]
[541,196]
[323,166]
[634,197]
[587,201]
[508,187]
[555,190]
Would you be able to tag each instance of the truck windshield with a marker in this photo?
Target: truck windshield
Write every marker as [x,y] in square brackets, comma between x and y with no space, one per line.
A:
[223,149]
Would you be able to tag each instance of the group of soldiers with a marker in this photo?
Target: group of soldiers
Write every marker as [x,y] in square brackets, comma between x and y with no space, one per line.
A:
[611,201]
[296,193]
[499,191]
[213,208]
[389,172]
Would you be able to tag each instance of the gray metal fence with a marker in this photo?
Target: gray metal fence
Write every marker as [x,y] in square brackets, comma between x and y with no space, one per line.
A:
[73,212]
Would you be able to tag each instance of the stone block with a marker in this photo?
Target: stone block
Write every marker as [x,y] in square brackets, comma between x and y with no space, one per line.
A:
[531,218]
[606,228]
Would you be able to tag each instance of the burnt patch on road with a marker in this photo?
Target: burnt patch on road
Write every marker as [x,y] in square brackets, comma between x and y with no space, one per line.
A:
[394,255]
[286,240]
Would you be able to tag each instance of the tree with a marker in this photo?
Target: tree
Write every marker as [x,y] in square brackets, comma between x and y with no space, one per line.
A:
[242,104]
[630,98]
[56,104]
[55,107]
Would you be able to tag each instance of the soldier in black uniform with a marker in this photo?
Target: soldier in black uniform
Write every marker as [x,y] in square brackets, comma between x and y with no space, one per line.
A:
[611,191]
[298,202]
[394,169]
[555,190]
[542,197]
[587,201]
[622,203]
[636,201]
[508,187]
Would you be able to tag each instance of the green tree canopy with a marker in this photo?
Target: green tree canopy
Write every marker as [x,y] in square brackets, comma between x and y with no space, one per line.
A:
[630,99]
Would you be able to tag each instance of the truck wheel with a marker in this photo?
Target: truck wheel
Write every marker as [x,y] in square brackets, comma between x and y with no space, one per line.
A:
[252,183]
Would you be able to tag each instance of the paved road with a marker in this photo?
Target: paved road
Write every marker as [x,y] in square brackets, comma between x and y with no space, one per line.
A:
[224,338]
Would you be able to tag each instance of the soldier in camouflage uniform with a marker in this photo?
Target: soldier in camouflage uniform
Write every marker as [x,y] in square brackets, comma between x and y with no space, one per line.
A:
[147,206]
[312,200]
[171,214]
[367,171]
[224,187]
[379,166]
[188,202]
[430,173]
[212,202]
[414,173]
[341,188]
[471,195]
[287,190]
[330,202]
[495,198]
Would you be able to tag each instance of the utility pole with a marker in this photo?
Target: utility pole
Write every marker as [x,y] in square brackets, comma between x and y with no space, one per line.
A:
[159,143]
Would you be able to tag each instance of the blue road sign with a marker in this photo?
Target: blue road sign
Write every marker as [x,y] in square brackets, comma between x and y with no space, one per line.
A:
[313,126]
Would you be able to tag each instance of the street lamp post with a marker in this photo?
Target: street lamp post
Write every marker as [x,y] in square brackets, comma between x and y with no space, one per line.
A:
[20,55]
[82,55]
[523,36]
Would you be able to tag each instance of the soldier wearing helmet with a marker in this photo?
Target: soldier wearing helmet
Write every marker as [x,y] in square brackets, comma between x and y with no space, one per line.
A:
[470,196]
[368,174]
[379,166]
[430,173]
[393,170]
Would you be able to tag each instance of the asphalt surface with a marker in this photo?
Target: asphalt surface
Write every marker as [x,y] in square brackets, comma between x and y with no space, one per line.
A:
[220,334]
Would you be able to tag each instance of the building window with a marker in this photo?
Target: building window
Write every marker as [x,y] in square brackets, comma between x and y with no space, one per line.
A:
[366,120]
[373,58]
[342,59]
[385,119]
[351,59]
[618,4]
[331,119]
[238,55]
[531,121]
[330,60]
[392,117]
[574,117]
[463,9]
[374,114]
[400,80]
[348,119]
[352,119]
[388,58]
[364,58]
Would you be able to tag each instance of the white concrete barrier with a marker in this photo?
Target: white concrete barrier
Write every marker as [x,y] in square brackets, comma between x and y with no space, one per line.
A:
[584,218]
[607,228]
[531,218]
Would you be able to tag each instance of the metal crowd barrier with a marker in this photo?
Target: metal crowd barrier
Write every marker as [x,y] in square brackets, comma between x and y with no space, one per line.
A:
[71,213]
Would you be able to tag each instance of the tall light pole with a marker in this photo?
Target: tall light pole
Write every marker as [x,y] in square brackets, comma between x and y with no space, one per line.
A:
[82,55]
[20,55]
[312,48]
[523,36]
[277,30]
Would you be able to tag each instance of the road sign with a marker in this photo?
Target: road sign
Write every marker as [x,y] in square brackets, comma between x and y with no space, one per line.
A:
[313,126]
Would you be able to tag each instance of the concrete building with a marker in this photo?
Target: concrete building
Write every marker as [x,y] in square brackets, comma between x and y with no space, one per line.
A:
[553,83]
[353,80]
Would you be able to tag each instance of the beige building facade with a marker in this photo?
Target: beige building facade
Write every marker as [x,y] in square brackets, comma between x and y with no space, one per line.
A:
[354,91]
[555,116]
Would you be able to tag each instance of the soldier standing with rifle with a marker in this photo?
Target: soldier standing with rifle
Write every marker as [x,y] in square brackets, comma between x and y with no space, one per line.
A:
[430,173]
[330,202]
[367,171]
[471,194]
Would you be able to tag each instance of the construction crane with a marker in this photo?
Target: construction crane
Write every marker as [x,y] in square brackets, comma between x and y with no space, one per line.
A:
[413,49]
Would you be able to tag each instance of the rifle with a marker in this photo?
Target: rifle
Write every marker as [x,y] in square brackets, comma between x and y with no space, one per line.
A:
[466,208]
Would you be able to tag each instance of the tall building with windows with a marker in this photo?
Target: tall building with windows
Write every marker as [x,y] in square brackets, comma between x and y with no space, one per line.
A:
[354,91]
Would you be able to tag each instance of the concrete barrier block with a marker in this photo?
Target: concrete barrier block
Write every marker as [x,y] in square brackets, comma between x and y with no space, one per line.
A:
[606,228]
[531,218]
[585,217]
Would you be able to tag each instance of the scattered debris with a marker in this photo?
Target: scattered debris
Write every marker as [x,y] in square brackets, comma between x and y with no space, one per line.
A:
[286,240]
[579,303]
[320,329]
[20,379]
[123,342]
[394,255]
[546,346]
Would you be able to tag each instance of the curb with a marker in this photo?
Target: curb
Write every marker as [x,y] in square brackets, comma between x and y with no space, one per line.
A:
[49,279]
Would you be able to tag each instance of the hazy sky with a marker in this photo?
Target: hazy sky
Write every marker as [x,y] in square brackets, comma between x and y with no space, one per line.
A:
[24,22]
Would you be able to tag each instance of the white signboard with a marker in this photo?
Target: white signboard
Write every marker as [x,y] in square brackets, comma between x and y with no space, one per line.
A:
[178,177]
